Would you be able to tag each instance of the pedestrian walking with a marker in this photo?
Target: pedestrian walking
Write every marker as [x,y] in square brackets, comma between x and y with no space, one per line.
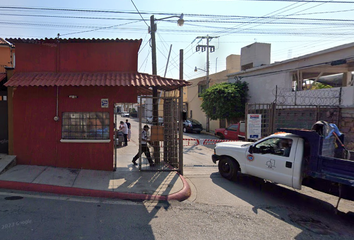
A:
[144,147]
[124,128]
[129,129]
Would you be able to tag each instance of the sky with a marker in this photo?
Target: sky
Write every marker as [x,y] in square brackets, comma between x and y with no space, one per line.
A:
[293,28]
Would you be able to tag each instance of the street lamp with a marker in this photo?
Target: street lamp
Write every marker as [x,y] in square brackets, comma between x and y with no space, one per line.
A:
[152,30]
[155,107]
[196,69]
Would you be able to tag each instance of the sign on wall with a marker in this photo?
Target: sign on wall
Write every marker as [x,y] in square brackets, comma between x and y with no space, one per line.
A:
[254,126]
[104,103]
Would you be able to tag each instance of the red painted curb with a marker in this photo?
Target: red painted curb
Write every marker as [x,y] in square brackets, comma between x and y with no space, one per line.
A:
[34,187]
[182,195]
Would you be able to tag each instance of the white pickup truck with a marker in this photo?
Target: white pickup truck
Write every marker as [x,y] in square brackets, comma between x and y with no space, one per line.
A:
[293,158]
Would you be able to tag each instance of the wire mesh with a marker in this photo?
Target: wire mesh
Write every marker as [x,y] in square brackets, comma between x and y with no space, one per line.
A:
[321,97]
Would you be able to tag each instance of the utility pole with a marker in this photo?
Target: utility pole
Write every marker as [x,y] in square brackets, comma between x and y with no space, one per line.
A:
[208,49]
[155,107]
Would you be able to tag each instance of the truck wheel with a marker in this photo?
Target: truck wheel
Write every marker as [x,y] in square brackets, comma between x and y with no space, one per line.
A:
[228,168]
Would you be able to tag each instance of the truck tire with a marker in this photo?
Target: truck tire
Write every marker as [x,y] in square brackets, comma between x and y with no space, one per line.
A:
[228,168]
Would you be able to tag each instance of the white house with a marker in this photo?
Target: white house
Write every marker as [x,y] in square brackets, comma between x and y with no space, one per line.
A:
[286,82]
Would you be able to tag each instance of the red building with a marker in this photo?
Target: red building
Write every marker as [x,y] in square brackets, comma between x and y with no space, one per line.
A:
[62,95]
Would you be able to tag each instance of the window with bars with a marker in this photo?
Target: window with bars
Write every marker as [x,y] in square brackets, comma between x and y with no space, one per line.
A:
[85,125]
[201,89]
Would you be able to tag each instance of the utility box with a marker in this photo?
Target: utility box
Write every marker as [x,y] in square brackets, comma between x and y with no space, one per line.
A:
[157,133]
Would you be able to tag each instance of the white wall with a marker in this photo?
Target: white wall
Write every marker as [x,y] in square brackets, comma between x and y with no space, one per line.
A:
[348,96]
[262,88]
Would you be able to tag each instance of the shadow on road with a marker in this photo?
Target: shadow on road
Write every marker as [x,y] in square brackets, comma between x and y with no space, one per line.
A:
[313,216]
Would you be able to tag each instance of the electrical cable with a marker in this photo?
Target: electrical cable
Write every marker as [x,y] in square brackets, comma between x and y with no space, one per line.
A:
[139,13]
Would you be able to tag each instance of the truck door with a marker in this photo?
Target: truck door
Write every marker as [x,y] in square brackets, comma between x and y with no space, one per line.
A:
[232,132]
[273,159]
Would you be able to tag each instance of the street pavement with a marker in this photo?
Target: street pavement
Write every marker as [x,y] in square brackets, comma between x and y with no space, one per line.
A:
[248,208]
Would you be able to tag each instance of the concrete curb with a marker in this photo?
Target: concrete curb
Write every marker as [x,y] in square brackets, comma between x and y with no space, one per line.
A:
[182,195]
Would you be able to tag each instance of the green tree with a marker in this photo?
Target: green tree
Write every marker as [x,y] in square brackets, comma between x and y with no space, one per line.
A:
[225,101]
[318,85]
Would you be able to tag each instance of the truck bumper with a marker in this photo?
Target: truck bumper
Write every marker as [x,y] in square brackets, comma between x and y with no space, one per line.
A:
[215,158]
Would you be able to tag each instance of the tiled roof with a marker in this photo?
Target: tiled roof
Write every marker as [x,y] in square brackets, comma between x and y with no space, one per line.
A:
[3,42]
[112,79]
[2,76]
[67,40]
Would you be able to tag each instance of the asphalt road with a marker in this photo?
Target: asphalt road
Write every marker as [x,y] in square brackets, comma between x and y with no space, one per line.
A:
[248,208]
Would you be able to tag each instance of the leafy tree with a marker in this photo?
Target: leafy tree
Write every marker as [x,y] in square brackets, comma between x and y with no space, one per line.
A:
[319,85]
[225,101]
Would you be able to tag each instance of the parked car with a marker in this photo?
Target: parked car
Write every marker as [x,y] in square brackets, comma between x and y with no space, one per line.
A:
[149,120]
[192,125]
[235,131]
[124,114]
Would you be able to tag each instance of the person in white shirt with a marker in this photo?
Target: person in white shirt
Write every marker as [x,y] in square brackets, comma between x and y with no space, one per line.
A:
[124,128]
[144,147]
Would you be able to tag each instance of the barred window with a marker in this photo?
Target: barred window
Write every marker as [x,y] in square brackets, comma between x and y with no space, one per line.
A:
[85,125]
[201,89]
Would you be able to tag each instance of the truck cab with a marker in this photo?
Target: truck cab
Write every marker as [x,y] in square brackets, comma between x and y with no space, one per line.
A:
[275,158]
[293,157]
[235,131]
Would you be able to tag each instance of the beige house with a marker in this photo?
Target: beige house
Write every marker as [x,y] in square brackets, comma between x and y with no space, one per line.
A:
[199,84]
[7,55]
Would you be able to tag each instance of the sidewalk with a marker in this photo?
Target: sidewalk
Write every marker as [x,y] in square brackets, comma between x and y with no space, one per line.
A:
[127,182]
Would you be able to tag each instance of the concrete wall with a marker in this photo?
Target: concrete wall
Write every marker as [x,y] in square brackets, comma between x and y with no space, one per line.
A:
[347,126]
[257,54]
[347,96]
[233,63]
[262,88]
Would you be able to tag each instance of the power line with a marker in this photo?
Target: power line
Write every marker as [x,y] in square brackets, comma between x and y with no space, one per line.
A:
[307,1]
[139,13]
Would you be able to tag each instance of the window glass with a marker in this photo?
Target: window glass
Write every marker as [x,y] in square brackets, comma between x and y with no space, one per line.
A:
[201,89]
[85,125]
[233,127]
[194,121]
[276,146]
[242,127]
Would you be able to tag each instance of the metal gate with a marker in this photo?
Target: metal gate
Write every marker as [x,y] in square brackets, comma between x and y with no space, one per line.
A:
[292,116]
[164,116]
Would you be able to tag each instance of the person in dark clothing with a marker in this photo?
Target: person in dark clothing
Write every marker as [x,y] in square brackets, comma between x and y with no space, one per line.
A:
[129,130]
[144,147]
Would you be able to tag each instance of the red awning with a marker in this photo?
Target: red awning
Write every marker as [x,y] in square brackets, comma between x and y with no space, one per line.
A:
[2,76]
[111,79]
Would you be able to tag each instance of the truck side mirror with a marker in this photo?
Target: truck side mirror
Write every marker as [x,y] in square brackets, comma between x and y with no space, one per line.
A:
[251,149]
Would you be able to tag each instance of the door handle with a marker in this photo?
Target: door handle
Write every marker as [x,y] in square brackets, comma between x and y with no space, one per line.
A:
[289,164]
